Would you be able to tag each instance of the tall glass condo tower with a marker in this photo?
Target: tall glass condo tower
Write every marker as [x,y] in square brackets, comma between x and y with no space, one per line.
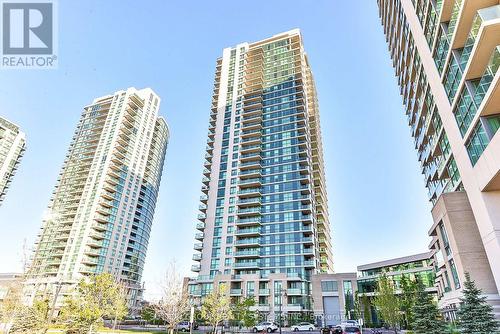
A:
[263,226]
[100,215]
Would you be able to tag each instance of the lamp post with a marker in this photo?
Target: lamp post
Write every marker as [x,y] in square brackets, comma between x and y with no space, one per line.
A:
[282,294]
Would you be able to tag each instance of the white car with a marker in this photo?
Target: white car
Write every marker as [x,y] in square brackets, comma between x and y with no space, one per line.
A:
[303,326]
[265,326]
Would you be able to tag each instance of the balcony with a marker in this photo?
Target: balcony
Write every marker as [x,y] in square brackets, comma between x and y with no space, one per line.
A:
[90,260]
[309,263]
[195,268]
[199,236]
[205,180]
[108,194]
[236,292]
[247,253]
[202,216]
[202,208]
[248,242]
[264,292]
[251,140]
[248,231]
[198,246]
[252,211]
[200,226]
[307,219]
[250,133]
[249,192]
[204,198]
[248,221]
[205,189]
[251,164]
[250,173]
[250,201]
[197,257]
[250,126]
[92,251]
[247,264]
[253,182]
[101,218]
[87,269]
[254,156]
[95,243]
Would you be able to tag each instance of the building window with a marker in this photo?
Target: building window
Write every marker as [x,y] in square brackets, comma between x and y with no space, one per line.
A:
[250,288]
[444,236]
[454,273]
[477,143]
[329,286]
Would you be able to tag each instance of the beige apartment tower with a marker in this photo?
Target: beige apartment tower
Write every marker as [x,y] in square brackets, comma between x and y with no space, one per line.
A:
[100,215]
[12,147]
[263,226]
[446,54]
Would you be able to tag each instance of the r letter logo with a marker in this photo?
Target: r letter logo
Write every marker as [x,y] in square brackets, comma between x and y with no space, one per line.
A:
[28,35]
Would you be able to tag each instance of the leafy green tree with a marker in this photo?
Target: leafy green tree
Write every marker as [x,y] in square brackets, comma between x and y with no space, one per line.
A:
[367,315]
[427,319]
[243,313]
[475,315]
[387,303]
[349,306]
[357,306]
[32,319]
[148,314]
[95,298]
[216,306]
[408,298]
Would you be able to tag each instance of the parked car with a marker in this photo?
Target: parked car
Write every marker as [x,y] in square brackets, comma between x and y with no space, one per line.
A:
[265,326]
[337,330]
[331,329]
[352,329]
[349,323]
[303,326]
[183,326]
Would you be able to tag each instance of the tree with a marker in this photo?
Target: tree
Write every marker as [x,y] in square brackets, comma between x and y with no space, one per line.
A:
[148,314]
[243,314]
[475,315]
[120,309]
[357,306]
[367,314]
[352,305]
[427,318]
[387,303]
[32,319]
[174,302]
[217,306]
[95,298]
[408,297]
[11,305]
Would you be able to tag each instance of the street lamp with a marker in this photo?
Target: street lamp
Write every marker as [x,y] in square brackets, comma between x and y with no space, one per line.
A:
[282,294]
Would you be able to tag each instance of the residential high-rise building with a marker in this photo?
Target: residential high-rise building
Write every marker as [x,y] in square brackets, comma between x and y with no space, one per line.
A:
[457,249]
[263,226]
[446,54]
[100,215]
[12,147]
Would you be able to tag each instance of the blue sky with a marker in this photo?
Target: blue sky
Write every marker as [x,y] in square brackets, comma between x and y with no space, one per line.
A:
[377,199]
